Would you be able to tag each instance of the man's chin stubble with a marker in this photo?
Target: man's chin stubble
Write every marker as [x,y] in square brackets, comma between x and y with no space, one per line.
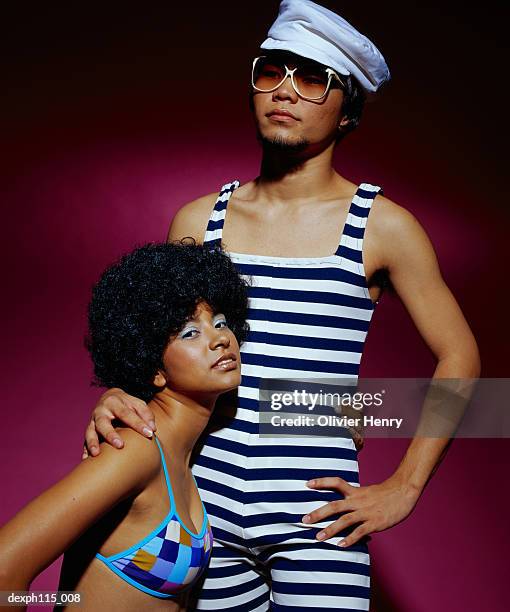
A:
[280,144]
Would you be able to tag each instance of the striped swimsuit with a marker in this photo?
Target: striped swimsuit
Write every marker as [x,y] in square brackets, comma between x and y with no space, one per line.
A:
[308,318]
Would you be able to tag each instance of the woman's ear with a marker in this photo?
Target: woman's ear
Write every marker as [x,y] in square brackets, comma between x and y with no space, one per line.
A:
[159,379]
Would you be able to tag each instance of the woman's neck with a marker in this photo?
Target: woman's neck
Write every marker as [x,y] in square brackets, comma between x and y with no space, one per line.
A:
[180,421]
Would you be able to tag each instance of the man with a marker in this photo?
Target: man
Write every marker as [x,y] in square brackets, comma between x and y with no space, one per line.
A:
[300,231]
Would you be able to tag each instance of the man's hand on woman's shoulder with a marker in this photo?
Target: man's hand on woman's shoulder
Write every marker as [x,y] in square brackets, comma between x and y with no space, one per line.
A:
[116,404]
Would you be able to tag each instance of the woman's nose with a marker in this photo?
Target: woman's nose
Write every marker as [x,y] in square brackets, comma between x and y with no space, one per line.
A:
[220,337]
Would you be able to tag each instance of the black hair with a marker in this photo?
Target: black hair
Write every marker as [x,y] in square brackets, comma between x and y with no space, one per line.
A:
[146,297]
[352,105]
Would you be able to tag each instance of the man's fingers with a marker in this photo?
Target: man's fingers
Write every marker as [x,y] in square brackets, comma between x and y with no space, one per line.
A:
[105,429]
[85,452]
[355,536]
[335,507]
[339,525]
[91,439]
[330,482]
[131,419]
[143,411]
[115,404]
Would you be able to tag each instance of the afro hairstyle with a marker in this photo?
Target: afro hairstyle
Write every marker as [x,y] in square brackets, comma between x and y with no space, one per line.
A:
[146,297]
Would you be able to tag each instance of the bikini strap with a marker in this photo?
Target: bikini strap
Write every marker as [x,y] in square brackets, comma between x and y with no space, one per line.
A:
[351,241]
[173,507]
[214,230]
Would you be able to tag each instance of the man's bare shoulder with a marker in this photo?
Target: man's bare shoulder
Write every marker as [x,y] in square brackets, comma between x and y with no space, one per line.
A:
[191,219]
[394,230]
[389,219]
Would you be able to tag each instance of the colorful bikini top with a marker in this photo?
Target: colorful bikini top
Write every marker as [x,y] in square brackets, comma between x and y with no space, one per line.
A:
[170,559]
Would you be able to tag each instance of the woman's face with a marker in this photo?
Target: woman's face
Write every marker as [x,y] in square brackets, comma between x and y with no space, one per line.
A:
[202,360]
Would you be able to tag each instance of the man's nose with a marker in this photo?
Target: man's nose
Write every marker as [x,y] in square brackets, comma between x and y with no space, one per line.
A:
[285,91]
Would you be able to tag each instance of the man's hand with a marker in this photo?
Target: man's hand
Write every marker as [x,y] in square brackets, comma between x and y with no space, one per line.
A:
[116,404]
[374,508]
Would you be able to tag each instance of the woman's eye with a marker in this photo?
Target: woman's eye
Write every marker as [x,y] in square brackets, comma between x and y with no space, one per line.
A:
[221,323]
[189,333]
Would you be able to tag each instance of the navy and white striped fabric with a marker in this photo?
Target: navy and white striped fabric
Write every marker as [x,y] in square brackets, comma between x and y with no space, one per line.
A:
[308,318]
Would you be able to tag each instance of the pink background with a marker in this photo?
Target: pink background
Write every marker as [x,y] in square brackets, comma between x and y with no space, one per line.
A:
[108,134]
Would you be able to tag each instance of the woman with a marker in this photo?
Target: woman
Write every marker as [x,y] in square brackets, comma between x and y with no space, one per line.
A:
[165,322]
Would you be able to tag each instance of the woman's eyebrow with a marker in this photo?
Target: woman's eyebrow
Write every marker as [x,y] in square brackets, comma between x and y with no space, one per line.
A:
[197,318]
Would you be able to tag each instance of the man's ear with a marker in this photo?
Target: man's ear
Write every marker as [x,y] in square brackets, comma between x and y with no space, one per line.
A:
[344,121]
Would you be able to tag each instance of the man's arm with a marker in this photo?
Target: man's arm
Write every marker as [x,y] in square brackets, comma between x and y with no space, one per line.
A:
[49,524]
[407,253]
[415,274]
[191,220]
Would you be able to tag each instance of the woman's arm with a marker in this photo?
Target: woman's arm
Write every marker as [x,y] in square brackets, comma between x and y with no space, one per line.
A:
[49,524]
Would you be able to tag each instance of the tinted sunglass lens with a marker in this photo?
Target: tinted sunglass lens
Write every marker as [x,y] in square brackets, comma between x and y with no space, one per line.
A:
[311,81]
[267,74]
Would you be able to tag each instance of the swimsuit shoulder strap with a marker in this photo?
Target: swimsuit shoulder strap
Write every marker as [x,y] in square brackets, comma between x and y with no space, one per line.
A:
[351,241]
[214,230]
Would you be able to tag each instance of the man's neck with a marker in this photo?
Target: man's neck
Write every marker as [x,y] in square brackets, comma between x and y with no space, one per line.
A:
[297,178]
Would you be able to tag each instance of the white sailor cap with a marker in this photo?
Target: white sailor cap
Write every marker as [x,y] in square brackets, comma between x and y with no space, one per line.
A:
[313,31]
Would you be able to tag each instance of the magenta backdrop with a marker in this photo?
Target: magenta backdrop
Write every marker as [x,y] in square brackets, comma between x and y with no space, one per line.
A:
[107,134]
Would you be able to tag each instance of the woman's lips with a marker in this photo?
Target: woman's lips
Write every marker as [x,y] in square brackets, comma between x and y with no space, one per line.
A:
[227,361]
[226,364]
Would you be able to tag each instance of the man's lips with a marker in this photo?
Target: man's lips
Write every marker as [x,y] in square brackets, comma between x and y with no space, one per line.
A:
[282,114]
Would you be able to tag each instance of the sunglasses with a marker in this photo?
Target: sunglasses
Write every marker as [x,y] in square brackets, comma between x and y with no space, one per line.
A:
[310,80]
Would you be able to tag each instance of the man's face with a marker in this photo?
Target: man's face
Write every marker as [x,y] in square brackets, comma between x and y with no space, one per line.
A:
[284,118]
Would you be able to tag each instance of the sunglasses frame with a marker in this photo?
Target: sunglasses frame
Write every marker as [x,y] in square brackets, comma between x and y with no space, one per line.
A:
[288,72]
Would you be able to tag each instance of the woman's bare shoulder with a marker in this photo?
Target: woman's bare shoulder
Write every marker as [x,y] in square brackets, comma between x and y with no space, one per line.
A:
[139,453]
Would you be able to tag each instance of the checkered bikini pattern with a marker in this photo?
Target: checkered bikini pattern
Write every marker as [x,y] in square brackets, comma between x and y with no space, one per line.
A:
[170,558]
